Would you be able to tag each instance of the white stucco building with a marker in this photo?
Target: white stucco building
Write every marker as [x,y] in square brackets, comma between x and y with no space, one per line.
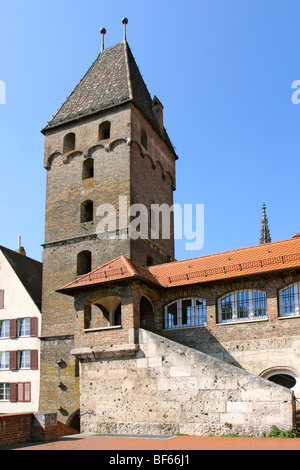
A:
[20,322]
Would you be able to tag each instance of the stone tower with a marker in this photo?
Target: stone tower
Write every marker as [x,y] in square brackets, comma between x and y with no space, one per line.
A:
[105,142]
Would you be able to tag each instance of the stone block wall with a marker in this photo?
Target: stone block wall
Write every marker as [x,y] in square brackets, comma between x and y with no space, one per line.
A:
[257,345]
[169,388]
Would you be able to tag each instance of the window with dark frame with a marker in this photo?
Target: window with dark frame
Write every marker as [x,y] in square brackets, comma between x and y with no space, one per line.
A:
[184,313]
[242,305]
[289,300]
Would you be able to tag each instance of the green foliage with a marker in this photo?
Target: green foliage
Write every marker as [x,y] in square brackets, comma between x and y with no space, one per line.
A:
[279,433]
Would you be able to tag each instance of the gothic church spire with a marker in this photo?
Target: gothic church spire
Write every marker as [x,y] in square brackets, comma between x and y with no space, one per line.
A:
[264,231]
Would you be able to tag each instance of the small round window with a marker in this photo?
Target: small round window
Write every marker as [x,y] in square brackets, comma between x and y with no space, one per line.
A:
[285,380]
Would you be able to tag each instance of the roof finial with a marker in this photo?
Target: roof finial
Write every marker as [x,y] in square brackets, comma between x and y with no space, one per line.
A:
[103,32]
[125,22]
[264,232]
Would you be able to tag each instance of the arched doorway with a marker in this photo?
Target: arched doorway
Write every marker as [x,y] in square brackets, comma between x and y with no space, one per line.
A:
[74,421]
[146,315]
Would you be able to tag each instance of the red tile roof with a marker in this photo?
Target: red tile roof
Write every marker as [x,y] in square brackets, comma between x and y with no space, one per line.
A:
[253,260]
[236,263]
[118,269]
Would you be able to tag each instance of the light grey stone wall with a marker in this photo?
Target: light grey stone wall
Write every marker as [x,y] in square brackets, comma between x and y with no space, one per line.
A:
[168,388]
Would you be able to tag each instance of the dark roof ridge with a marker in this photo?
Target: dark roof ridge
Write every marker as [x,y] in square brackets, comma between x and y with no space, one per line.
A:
[29,272]
[4,248]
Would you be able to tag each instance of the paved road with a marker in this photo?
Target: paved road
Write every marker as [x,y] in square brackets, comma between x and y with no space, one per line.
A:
[178,443]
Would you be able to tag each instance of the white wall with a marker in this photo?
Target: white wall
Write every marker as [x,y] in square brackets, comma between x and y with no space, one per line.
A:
[18,304]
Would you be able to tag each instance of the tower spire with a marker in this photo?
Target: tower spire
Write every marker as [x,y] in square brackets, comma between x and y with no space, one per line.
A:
[264,231]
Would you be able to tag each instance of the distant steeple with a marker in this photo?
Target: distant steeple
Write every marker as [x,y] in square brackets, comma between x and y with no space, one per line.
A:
[264,232]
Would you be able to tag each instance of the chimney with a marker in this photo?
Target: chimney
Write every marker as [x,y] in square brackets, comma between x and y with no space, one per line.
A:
[157,108]
[20,249]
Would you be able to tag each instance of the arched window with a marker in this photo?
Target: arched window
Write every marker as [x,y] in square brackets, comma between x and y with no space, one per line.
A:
[283,377]
[144,139]
[185,313]
[87,211]
[103,313]
[146,314]
[84,262]
[242,305]
[104,130]
[88,169]
[69,142]
[289,300]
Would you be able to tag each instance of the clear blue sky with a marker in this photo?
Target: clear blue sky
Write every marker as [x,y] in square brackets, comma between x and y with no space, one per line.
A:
[223,70]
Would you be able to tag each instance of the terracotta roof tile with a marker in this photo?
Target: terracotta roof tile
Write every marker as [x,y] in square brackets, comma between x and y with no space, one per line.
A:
[235,263]
[118,269]
[245,261]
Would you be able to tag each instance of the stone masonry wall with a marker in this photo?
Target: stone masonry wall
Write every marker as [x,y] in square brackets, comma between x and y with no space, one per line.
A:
[258,346]
[169,388]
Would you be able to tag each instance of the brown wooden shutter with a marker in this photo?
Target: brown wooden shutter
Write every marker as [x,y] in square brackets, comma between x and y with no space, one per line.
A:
[34,359]
[24,392]
[20,392]
[13,392]
[13,328]
[27,391]
[33,326]
[13,360]
[1,299]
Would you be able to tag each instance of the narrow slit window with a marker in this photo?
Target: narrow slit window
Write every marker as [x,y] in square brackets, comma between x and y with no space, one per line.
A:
[69,142]
[88,169]
[87,211]
[104,130]
[84,263]
[144,139]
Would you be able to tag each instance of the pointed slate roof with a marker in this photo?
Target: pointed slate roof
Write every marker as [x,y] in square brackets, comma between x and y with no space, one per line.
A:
[112,80]
[29,271]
